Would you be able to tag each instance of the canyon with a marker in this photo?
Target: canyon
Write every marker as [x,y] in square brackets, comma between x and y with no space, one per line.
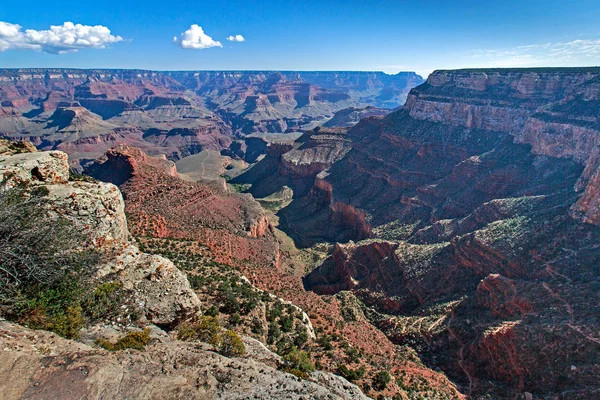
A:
[178,113]
[445,232]
[152,292]
[469,226]
[231,230]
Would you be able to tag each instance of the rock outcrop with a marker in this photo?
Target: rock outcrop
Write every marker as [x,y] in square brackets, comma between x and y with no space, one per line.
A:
[349,117]
[98,211]
[8,147]
[38,364]
[316,151]
[34,168]
[351,267]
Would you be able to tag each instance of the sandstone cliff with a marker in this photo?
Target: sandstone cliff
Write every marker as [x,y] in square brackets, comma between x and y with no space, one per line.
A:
[484,189]
[554,111]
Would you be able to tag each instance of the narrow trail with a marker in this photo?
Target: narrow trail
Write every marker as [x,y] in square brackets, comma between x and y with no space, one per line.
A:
[461,353]
[569,308]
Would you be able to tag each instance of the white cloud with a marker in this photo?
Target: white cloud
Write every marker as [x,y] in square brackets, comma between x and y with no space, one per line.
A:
[573,53]
[58,39]
[576,52]
[195,38]
[236,38]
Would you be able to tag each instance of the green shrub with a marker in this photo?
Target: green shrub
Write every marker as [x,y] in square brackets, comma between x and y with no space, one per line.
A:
[133,340]
[353,354]
[212,312]
[205,329]
[235,319]
[275,312]
[257,327]
[240,187]
[186,331]
[247,306]
[231,305]
[286,323]
[230,344]
[301,336]
[325,342]
[67,324]
[56,309]
[196,281]
[208,330]
[298,360]
[105,301]
[297,372]
[284,345]
[274,333]
[265,297]
[351,374]
[40,191]
[381,380]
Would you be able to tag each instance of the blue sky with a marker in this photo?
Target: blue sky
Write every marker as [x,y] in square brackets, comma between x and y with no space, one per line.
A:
[303,35]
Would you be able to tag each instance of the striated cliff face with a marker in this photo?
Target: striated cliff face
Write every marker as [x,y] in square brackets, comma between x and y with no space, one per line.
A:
[554,111]
[484,188]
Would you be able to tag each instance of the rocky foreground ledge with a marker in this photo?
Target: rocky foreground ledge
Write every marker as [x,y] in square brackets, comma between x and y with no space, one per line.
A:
[40,364]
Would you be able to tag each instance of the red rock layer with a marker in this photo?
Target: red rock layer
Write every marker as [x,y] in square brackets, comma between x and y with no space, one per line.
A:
[475,183]
[237,232]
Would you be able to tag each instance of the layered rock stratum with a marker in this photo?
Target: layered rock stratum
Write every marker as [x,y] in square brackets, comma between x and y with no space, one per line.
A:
[235,232]
[473,213]
[87,112]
